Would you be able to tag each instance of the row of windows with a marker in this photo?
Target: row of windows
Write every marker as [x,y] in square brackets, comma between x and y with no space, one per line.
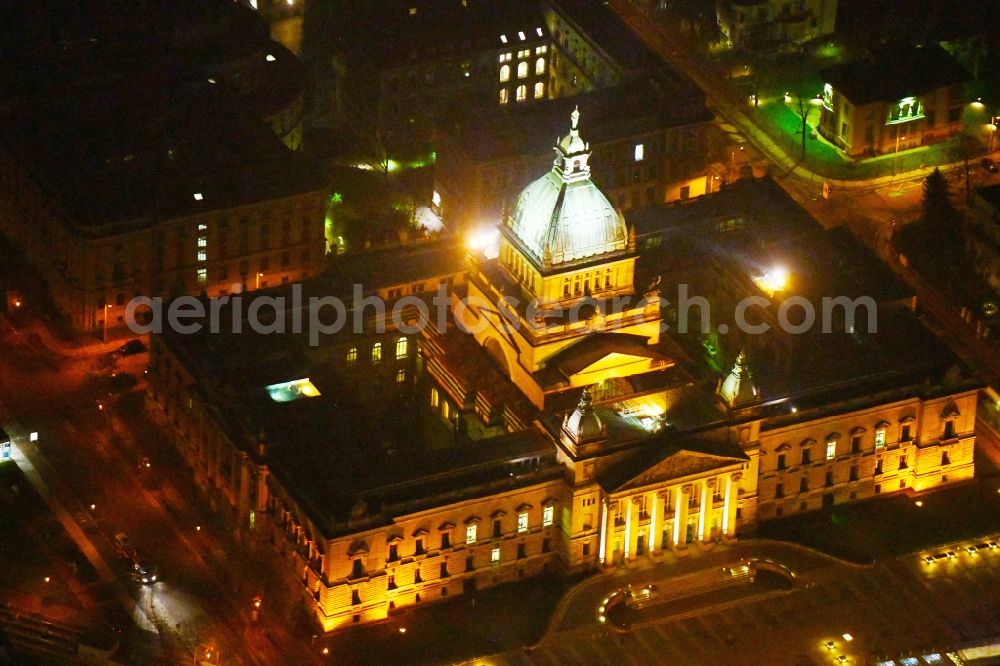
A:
[522,70]
[472,533]
[831,451]
[402,349]
[521,93]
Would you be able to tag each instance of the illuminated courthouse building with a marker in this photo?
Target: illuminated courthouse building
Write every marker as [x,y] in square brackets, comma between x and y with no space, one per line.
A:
[894,100]
[391,467]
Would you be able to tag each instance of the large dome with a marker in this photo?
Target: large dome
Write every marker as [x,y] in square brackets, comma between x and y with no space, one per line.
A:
[563,216]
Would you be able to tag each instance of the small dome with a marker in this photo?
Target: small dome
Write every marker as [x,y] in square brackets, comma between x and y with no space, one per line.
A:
[563,216]
[583,424]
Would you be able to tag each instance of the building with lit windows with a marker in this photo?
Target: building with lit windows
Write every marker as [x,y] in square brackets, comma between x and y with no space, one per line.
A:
[755,23]
[108,205]
[392,466]
[893,101]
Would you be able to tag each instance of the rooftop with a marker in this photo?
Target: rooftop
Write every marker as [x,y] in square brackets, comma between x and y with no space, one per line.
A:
[152,146]
[890,76]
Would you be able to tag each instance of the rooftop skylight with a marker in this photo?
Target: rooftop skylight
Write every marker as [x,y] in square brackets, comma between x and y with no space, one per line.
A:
[293,390]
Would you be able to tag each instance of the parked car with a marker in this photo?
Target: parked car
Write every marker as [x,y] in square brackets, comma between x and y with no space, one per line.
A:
[989,165]
[931,559]
[130,348]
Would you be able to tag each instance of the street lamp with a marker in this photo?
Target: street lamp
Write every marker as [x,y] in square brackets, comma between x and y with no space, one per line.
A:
[104,337]
[259,276]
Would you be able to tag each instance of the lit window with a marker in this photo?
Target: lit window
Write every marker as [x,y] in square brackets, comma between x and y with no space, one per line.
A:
[522,93]
[505,73]
[470,533]
[197,196]
[503,95]
[831,449]
[202,255]
[436,198]
[202,227]
[540,66]
[495,555]
[413,11]
[522,521]
[547,516]
[294,390]
[402,346]
[503,38]
[543,48]
[400,376]
[269,58]
[524,53]
[352,357]
[505,57]
[880,438]
[522,70]
[202,275]
[640,152]
[377,352]
[539,90]
[435,398]
[520,35]
[538,31]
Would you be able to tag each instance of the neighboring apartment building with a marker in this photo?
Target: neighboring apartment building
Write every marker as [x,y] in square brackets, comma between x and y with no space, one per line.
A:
[163,192]
[892,101]
[983,233]
[756,23]
[390,467]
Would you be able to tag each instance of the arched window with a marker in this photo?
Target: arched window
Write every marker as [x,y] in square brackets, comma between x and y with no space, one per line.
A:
[522,93]
[352,357]
[377,352]
[505,72]
[540,66]
[402,346]
[522,70]
[503,95]
[539,90]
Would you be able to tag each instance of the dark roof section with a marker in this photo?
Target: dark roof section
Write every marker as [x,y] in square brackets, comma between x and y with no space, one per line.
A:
[437,30]
[889,76]
[138,150]
[487,133]
[990,194]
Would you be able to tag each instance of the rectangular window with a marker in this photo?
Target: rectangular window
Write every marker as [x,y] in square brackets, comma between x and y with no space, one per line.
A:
[352,357]
[904,435]
[829,478]
[497,530]
[880,438]
[444,570]
[831,449]
[377,352]
[902,462]
[202,241]
[202,275]
[401,376]
[393,552]
[781,461]
[470,533]
[804,485]
[445,540]
[945,460]
[779,491]
[522,521]
[856,444]
[854,473]
[547,516]
[806,456]
[495,555]
[435,398]
[202,255]
[639,153]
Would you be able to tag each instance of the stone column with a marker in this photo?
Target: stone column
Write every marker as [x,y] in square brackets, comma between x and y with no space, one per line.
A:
[680,515]
[629,529]
[605,554]
[654,520]
[729,508]
[703,510]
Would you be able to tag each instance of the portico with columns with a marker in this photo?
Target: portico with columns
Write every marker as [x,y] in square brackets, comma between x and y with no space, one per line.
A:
[647,516]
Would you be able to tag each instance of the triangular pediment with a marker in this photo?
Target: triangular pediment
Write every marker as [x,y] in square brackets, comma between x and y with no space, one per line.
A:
[679,465]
